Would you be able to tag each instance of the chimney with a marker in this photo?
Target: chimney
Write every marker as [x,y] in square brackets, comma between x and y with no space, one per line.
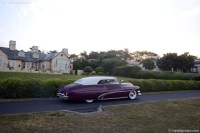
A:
[12,45]
[34,49]
[65,51]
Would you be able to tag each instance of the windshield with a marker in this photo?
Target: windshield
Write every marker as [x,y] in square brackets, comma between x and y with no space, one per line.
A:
[79,81]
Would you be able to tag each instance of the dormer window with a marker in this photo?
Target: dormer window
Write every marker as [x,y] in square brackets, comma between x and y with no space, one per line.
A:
[21,53]
[35,55]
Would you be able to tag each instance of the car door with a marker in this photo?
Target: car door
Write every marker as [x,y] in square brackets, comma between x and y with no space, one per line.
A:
[114,91]
[93,91]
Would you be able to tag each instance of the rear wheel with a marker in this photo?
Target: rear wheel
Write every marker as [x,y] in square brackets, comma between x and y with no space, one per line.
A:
[89,101]
[132,95]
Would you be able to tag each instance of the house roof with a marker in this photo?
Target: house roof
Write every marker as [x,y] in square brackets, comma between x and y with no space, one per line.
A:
[133,63]
[13,55]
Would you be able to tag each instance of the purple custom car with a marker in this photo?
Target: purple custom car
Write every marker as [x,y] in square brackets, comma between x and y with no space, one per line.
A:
[98,88]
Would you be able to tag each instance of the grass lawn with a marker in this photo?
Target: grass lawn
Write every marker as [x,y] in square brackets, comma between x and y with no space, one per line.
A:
[43,76]
[161,117]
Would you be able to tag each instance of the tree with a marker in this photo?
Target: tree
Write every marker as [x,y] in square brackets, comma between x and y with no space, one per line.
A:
[110,63]
[149,64]
[168,62]
[172,61]
[185,62]
[141,55]
[126,55]
[94,63]
[80,64]
[88,69]
[84,55]
[93,55]
[52,51]
[73,57]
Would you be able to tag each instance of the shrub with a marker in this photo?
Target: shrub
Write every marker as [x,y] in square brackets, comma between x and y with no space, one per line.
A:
[100,73]
[93,73]
[84,73]
[51,86]
[32,88]
[118,71]
[152,85]
[17,88]
[11,88]
[126,71]
[99,69]
[146,75]
[88,69]
[107,73]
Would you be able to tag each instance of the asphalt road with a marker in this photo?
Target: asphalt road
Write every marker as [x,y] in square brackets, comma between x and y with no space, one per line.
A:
[82,107]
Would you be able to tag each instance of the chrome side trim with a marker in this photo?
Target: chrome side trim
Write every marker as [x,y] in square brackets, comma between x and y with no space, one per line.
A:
[109,93]
[113,98]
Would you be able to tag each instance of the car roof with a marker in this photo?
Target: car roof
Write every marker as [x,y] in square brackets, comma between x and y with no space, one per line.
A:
[93,80]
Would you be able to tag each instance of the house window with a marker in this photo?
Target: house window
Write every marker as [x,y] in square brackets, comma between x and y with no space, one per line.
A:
[21,53]
[1,61]
[35,55]
[11,64]
[61,65]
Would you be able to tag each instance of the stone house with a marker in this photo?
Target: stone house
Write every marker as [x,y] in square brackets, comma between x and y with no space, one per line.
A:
[140,64]
[197,66]
[13,59]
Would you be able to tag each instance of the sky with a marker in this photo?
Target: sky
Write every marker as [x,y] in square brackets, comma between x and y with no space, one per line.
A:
[159,26]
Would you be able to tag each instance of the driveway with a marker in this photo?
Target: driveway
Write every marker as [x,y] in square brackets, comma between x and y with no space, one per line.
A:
[82,107]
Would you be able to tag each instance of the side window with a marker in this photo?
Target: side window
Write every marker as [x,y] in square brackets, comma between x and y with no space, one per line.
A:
[102,82]
[111,81]
[107,81]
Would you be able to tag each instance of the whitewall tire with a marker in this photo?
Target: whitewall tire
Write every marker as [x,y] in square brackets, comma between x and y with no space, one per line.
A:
[132,95]
[89,101]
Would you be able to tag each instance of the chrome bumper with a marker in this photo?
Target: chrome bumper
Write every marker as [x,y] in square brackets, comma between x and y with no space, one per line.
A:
[62,96]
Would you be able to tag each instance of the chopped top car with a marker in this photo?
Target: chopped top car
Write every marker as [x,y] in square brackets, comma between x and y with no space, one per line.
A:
[98,88]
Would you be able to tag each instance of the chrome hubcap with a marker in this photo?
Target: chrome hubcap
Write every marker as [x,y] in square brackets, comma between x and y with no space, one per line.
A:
[132,95]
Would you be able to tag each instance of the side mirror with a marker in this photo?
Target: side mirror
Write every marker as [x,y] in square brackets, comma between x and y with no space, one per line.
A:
[122,81]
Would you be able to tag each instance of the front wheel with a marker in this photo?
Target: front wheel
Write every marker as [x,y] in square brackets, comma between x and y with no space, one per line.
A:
[89,101]
[132,95]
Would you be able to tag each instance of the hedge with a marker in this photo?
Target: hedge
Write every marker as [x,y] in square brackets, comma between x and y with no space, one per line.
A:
[31,88]
[136,72]
[155,85]
[36,88]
